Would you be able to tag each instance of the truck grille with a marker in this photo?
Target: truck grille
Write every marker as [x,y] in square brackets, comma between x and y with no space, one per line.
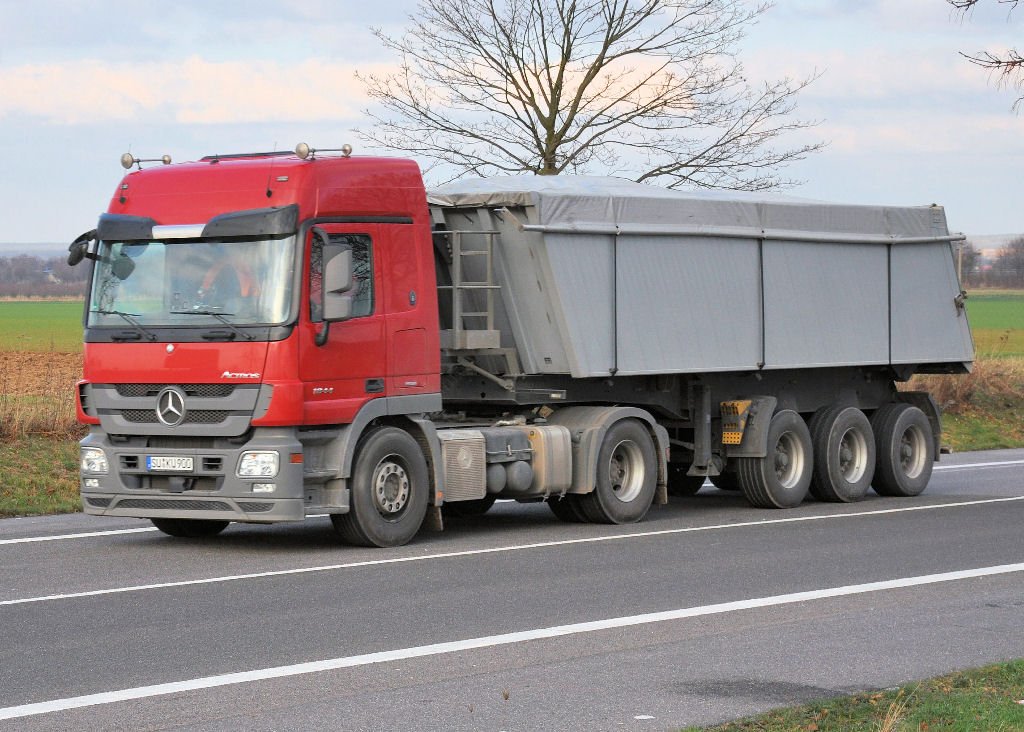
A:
[193,416]
[207,391]
[252,507]
[158,504]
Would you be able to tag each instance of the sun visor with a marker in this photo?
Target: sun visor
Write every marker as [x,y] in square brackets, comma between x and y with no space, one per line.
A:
[254,222]
[120,227]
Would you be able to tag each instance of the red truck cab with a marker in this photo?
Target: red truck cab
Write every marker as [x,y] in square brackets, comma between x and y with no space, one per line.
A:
[213,383]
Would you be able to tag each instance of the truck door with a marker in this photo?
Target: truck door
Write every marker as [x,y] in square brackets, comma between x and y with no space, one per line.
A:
[350,368]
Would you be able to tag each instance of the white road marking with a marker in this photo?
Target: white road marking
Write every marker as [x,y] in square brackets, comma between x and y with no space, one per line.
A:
[436,649]
[998,464]
[110,532]
[497,550]
[82,535]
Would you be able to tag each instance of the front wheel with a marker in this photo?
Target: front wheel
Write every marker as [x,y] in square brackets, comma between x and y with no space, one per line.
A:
[627,475]
[388,491]
[190,528]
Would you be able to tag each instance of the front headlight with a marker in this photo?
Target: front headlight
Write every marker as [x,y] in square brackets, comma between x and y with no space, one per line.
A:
[258,464]
[94,460]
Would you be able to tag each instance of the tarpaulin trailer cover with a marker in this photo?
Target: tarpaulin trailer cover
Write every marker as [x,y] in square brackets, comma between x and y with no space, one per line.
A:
[604,277]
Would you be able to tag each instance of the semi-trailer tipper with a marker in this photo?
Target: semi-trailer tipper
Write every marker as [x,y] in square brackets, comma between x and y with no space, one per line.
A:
[270,336]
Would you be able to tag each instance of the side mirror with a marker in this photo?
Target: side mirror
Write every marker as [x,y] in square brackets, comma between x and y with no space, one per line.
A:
[79,248]
[337,282]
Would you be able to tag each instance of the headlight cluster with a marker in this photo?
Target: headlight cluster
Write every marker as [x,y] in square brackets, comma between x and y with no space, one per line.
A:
[255,464]
[94,460]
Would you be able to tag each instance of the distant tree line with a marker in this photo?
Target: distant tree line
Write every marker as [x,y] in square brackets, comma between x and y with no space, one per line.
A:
[26,275]
[1005,269]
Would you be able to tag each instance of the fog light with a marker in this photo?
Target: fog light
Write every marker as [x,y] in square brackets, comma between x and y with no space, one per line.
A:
[254,464]
[94,460]
[264,487]
[92,483]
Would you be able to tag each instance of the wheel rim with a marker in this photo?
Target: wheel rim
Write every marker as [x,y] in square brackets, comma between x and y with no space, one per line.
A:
[853,455]
[789,460]
[913,451]
[626,471]
[390,487]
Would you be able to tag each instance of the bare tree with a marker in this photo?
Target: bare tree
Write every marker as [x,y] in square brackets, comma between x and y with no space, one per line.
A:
[1009,66]
[652,90]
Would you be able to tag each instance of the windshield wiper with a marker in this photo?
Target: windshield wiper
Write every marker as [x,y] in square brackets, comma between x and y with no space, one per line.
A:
[219,316]
[130,319]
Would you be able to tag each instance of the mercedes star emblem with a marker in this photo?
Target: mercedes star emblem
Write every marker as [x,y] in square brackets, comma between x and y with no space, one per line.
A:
[170,406]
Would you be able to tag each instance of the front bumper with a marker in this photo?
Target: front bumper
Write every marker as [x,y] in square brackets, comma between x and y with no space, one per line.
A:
[211,490]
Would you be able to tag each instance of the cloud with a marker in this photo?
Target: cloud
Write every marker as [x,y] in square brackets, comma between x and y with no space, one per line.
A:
[192,91]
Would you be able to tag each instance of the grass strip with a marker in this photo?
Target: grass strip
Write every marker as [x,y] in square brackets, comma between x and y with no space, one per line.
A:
[987,698]
[40,476]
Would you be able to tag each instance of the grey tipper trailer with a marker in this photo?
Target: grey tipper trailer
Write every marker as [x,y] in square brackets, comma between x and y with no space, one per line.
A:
[759,337]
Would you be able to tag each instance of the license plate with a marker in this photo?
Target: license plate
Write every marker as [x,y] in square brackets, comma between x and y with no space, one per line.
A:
[172,463]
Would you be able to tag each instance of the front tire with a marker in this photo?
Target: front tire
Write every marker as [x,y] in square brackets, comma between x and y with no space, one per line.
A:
[782,478]
[627,475]
[190,528]
[388,491]
[905,447]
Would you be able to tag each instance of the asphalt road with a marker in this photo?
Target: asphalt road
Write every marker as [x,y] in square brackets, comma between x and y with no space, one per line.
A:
[706,611]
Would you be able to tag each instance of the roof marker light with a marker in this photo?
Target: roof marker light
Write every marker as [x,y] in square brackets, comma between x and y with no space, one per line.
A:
[128,160]
[305,152]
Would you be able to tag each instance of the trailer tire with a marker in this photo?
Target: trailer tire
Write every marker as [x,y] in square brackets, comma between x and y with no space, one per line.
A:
[568,509]
[627,475]
[388,491]
[190,528]
[469,509]
[905,450]
[782,478]
[844,454]
[681,484]
[726,481]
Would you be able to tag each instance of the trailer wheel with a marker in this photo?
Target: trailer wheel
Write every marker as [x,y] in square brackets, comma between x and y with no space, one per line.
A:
[388,491]
[905,449]
[627,475]
[782,478]
[681,484]
[190,528]
[844,454]
[469,509]
[726,481]
[568,509]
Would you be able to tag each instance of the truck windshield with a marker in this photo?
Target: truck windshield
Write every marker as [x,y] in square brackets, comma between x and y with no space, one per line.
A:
[190,282]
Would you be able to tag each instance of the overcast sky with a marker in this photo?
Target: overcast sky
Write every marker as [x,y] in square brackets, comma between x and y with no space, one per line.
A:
[908,120]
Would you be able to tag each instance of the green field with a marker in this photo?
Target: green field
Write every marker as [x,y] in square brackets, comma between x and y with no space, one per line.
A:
[41,326]
[997,321]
